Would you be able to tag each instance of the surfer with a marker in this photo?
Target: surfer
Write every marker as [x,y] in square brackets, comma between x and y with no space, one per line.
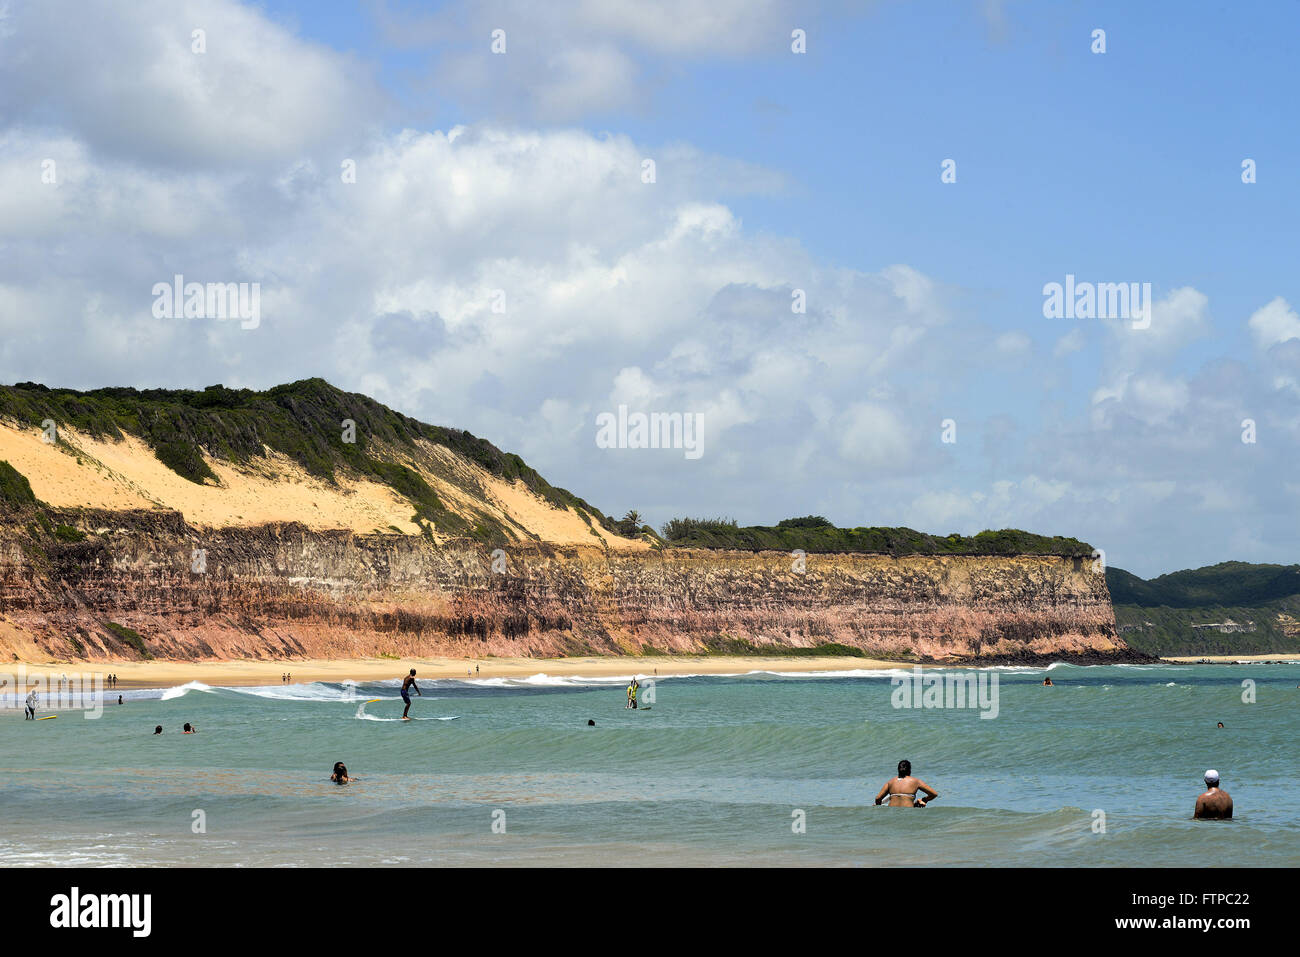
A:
[902,791]
[409,682]
[1215,804]
[29,711]
[340,775]
[631,694]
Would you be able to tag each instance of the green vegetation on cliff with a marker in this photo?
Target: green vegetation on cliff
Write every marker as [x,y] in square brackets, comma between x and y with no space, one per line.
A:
[815,534]
[1229,608]
[15,490]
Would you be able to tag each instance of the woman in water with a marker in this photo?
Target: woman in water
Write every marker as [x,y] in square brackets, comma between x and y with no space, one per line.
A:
[902,791]
[340,775]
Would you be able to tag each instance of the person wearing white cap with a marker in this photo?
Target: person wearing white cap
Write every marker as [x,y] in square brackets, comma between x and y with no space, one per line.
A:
[1215,804]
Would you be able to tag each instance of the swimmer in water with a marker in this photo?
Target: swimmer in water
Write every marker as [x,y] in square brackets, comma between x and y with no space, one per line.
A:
[1047,683]
[1220,724]
[902,791]
[340,774]
[409,682]
[189,730]
[1214,804]
[158,729]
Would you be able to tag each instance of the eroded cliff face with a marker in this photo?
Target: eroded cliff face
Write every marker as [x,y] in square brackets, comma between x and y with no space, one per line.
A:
[284,591]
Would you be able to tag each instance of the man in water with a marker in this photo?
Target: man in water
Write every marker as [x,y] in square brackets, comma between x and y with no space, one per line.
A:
[29,711]
[902,791]
[409,682]
[631,694]
[1214,804]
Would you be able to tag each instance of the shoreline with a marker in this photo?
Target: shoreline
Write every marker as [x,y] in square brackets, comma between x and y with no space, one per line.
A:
[138,675]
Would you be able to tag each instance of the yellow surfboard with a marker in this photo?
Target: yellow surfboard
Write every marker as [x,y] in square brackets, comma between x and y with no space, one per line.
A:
[48,717]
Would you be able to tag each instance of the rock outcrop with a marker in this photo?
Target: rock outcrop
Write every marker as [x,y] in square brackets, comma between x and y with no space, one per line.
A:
[146,583]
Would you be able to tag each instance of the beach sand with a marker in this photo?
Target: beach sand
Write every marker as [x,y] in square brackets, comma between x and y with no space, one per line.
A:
[1229,659]
[169,674]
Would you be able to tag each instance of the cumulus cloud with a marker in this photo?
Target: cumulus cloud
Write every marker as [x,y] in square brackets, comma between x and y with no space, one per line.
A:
[1274,323]
[127,78]
[519,281]
[570,58]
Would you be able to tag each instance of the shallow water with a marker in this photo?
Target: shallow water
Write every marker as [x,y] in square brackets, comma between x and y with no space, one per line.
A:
[717,772]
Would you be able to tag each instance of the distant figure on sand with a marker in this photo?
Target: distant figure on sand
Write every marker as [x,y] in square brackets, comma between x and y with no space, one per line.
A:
[340,775]
[1214,804]
[902,791]
[409,682]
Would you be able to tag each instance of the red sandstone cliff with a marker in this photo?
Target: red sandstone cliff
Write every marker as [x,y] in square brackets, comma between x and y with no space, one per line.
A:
[283,590]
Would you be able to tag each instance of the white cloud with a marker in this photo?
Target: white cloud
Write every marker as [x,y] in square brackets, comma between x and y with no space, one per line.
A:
[1274,323]
[126,79]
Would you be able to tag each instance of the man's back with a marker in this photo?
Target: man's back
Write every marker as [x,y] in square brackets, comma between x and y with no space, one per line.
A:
[1214,804]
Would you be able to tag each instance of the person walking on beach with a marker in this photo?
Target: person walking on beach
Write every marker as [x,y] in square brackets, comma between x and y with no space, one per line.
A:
[903,790]
[1215,804]
[409,682]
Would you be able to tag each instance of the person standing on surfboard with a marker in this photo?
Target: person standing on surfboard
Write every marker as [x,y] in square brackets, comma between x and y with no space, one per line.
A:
[409,682]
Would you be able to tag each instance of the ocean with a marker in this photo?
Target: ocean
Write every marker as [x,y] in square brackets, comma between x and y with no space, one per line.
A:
[1101,770]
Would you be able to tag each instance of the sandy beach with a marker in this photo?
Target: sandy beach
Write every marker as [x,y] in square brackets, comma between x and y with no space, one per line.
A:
[168,674]
[1229,659]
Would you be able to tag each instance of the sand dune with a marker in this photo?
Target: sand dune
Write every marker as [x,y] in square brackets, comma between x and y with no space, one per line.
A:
[84,472]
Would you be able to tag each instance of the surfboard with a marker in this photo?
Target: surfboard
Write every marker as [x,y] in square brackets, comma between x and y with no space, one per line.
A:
[48,717]
[371,701]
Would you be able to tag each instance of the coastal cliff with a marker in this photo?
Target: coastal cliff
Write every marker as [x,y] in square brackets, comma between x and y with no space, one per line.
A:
[147,584]
[308,522]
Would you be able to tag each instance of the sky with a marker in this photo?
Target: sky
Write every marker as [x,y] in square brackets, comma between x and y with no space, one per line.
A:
[473,238]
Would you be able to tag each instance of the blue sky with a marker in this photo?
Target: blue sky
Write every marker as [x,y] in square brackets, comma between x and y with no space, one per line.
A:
[775,171]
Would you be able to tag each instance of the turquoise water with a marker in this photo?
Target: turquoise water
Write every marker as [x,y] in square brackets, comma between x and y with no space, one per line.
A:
[714,774]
